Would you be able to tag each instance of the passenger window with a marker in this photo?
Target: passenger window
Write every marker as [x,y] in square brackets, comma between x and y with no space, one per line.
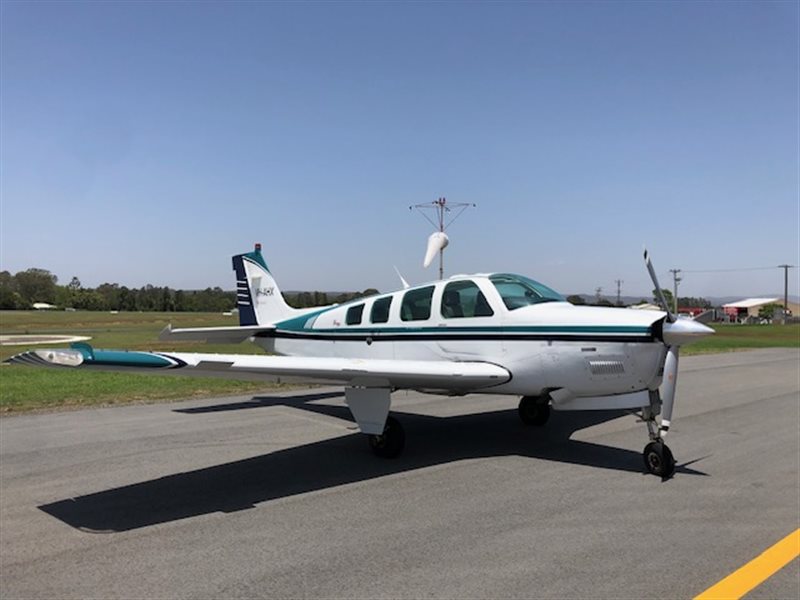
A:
[380,310]
[464,299]
[416,305]
[354,314]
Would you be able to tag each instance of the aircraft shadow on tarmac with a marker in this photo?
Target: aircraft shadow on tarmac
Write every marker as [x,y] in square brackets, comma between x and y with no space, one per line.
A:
[431,441]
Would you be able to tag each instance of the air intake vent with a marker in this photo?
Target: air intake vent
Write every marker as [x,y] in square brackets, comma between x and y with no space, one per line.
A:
[606,367]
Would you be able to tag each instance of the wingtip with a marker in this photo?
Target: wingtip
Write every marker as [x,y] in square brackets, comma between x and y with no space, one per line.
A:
[165,333]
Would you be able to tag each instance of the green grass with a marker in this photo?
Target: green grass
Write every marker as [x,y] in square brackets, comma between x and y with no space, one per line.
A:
[25,388]
[28,388]
[732,337]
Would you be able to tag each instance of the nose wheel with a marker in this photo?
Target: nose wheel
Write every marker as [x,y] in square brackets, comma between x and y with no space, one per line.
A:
[658,459]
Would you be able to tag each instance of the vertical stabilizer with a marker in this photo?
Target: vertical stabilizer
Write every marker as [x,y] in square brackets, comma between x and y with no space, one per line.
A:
[258,297]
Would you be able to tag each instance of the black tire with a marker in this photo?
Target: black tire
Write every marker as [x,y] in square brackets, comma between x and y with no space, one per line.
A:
[391,443]
[534,410]
[658,460]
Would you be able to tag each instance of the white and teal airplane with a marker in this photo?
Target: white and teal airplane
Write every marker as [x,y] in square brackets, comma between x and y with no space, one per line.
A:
[495,333]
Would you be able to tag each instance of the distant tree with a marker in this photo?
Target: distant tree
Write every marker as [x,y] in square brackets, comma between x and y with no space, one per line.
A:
[320,299]
[89,300]
[112,295]
[167,301]
[691,302]
[667,296]
[36,285]
[9,297]
[768,310]
[180,301]
[576,299]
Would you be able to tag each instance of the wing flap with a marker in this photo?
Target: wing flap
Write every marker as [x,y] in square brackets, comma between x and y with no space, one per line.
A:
[445,376]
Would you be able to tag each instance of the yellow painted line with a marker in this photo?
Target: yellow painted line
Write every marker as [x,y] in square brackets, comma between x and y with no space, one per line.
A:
[758,570]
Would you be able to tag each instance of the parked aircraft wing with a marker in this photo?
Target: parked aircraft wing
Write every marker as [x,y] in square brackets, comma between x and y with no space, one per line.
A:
[212,335]
[409,374]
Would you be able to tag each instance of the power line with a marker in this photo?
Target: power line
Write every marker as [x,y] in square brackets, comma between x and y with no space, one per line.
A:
[729,270]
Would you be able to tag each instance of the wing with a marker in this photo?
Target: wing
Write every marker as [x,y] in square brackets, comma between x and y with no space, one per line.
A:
[446,376]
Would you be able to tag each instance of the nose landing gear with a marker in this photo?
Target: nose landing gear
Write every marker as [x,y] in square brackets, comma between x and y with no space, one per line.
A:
[657,456]
[658,459]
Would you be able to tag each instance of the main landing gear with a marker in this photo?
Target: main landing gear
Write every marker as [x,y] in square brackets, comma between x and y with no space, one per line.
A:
[390,443]
[534,410]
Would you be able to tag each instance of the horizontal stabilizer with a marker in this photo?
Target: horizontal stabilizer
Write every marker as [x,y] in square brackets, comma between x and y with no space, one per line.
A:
[212,335]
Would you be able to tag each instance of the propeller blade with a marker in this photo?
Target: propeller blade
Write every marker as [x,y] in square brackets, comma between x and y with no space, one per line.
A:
[660,294]
[668,386]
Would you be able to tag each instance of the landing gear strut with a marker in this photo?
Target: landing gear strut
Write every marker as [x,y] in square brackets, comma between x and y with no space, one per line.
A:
[657,456]
[390,443]
[534,410]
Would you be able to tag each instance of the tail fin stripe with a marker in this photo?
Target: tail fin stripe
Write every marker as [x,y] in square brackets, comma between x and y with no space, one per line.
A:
[247,315]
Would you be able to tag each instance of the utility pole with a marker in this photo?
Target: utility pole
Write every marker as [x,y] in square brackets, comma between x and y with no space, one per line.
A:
[785,290]
[619,283]
[675,281]
[597,292]
[442,208]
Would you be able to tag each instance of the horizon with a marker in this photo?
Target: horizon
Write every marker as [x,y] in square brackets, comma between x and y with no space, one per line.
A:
[627,298]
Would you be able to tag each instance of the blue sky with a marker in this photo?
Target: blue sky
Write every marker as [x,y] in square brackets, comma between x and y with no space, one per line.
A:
[149,141]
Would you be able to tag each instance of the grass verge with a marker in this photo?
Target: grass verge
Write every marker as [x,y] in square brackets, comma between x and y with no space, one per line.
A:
[24,388]
[731,337]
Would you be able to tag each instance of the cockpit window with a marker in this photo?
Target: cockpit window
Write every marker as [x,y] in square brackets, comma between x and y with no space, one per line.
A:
[463,299]
[518,291]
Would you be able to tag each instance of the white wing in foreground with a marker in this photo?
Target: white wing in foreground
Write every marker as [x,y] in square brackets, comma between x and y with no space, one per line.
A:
[410,374]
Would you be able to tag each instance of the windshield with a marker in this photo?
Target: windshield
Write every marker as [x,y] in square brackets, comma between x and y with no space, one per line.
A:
[518,291]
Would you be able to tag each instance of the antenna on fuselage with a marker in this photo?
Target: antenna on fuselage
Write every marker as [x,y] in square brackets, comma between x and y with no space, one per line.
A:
[438,240]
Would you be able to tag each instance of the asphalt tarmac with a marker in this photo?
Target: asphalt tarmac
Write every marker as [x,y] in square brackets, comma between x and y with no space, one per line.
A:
[277,496]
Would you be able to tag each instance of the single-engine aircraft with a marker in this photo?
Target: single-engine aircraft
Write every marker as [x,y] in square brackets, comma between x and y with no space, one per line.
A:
[495,333]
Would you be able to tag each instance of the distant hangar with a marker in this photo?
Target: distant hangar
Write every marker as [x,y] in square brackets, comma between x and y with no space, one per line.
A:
[749,307]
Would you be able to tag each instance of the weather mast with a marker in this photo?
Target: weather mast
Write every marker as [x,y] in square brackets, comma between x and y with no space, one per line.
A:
[445,214]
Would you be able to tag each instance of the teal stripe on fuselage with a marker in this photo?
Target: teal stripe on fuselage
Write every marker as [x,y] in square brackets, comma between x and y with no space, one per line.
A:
[299,323]
[297,326]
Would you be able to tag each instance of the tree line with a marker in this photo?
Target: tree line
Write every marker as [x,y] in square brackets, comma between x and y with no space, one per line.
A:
[21,290]
[683,302]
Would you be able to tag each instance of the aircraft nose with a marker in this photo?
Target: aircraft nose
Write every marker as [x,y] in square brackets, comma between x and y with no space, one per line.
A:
[684,331]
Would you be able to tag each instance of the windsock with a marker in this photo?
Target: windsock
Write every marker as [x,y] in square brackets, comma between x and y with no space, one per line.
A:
[437,241]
